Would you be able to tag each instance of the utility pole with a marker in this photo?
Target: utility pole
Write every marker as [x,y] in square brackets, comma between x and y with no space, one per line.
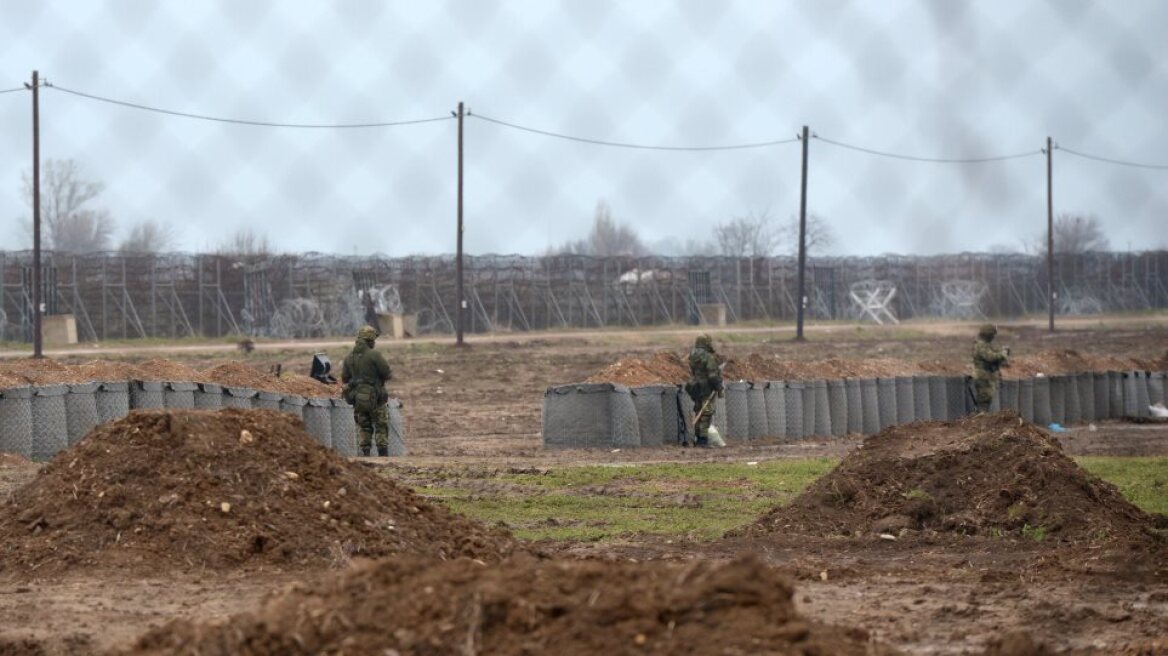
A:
[37,301]
[802,300]
[1050,292]
[461,310]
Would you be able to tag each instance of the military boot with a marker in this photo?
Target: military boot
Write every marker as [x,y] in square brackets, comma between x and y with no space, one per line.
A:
[383,451]
[702,442]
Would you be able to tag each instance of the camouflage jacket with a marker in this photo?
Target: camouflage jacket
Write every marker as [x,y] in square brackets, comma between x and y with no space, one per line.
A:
[704,371]
[365,366]
[987,360]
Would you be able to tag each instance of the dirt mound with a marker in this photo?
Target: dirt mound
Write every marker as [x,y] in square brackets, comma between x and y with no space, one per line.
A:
[167,490]
[237,374]
[1067,361]
[524,606]
[665,367]
[992,475]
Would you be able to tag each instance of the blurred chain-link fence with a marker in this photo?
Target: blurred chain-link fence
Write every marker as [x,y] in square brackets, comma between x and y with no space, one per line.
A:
[250,131]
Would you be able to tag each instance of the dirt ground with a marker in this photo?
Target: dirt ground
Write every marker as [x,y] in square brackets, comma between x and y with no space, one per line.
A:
[480,405]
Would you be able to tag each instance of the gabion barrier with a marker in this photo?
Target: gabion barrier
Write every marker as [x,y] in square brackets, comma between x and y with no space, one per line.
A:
[342,427]
[318,421]
[1073,405]
[16,421]
[1084,384]
[938,399]
[647,401]
[113,400]
[736,424]
[855,406]
[1156,387]
[809,402]
[1102,398]
[886,393]
[1026,399]
[239,397]
[905,404]
[922,403]
[80,411]
[758,422]
[1115,394]
[589,415]
[50,432]
[209,396]
[837,407]
[1058,399]
[796,426]
[822,426]
[776,405]
[1008,392]
[146,394]
[1142,399]
[293,404]
[957,397]
[1042,401]
[870,400]
[397,428]
[268,400]
[179,395]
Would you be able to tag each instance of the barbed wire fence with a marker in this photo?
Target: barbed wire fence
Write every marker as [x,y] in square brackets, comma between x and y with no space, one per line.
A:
[538,159]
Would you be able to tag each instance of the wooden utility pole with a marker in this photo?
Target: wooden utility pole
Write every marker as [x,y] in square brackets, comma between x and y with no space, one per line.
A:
[461,308]
[1050,289]
[802,300]
[37,301]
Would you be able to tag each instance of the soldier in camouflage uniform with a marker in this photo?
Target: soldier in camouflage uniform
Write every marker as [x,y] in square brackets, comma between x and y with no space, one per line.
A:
[364,374]
[987,360]
[705,381]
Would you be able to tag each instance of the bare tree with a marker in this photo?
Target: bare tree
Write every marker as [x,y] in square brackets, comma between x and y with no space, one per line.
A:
[246,241]
[606,238]
[753,235]
[149,236]
[69,225]
[820,236]
[1074,234]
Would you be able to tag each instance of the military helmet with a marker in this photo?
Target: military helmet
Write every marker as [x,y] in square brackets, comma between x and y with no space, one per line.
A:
[367,333]
[987,331]
[704,342]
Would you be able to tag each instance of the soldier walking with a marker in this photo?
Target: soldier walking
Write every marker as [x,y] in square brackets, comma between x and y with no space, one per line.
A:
[364,374]
[987,361]
[704,383]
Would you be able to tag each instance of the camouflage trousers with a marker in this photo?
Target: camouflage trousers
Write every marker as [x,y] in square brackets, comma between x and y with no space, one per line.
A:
[984,390]
[703,417]
[371,423]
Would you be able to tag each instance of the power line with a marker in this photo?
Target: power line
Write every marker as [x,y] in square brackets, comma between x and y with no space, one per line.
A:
[618,144]
[1108,160]
[935,160]
[266,124]
[13,90]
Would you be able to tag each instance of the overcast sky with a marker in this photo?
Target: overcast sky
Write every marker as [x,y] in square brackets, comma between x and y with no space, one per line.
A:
[932,79]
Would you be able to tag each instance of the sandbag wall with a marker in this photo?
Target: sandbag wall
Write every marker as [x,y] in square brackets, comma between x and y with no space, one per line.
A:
[38,421]
[603,415]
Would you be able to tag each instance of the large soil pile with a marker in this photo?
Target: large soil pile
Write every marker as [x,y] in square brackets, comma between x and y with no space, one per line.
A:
[672,368]
[16,373]
[524,606]
[992,475]
[171,490]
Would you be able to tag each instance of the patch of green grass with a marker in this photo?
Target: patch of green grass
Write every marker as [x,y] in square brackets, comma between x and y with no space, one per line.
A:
[917,493]
[700,500]
[1036,533]
[1144,481]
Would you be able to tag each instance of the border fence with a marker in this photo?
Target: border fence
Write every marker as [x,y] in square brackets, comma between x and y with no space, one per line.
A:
[175,295]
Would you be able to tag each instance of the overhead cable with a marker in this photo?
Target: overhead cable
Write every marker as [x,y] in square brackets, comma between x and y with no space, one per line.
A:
[267,124]
[1109,160]
[935,160]
[618,144]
